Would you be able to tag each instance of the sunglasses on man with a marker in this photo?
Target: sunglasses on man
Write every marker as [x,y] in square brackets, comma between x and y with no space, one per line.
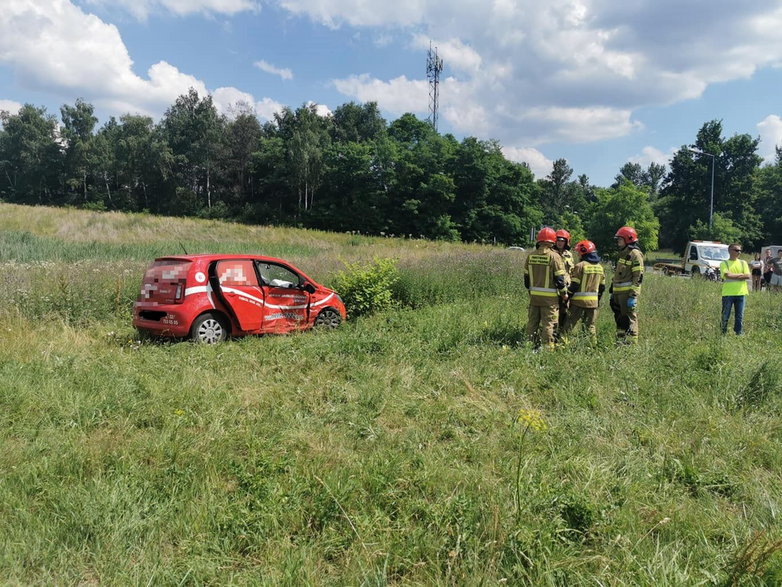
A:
[736,250]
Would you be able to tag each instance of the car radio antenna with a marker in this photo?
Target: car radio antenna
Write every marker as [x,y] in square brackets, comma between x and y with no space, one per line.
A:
[183,247]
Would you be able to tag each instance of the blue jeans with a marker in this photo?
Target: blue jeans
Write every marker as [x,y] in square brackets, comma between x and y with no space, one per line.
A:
[729,302]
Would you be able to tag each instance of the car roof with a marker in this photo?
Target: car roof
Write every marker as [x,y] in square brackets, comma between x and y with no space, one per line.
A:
[221,257]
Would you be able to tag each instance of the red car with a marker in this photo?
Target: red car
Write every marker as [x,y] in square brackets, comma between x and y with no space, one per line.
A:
[211,297]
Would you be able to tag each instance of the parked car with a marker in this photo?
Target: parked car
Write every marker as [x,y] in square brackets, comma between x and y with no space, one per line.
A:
[211,297]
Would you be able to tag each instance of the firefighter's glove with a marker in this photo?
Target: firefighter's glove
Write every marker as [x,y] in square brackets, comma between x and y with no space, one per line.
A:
[632,303]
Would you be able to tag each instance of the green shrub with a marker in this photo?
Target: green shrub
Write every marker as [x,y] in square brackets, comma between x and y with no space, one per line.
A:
[367,288]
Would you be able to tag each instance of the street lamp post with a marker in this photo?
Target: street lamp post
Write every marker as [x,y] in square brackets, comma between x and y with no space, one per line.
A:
[713,163]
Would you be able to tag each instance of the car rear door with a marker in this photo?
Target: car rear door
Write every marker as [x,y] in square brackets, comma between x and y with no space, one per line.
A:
[241,291]
[286,304]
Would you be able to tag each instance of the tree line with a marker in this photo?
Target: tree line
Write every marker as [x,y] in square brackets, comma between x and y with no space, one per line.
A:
[354,171]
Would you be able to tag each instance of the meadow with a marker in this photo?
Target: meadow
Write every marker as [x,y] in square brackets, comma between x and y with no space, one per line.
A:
[422,445]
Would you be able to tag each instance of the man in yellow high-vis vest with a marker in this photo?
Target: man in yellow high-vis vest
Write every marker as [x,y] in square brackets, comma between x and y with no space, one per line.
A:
[734,273]
[544,278]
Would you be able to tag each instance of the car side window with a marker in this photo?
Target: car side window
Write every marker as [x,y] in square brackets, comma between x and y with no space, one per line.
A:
[693,254]
[233,273]
[277,275]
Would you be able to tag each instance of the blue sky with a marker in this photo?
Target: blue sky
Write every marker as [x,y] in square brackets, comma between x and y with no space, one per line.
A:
[597,82]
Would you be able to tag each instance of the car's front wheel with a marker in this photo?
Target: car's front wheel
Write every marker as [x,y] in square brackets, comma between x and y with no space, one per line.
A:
[328,318]
[209,329]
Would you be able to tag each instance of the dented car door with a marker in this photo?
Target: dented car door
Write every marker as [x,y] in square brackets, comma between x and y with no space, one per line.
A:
[286,303]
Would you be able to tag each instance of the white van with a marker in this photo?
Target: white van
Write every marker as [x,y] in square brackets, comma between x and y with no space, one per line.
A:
[702,255]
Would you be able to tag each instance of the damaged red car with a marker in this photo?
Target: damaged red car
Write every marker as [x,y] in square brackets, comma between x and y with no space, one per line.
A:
[211,297]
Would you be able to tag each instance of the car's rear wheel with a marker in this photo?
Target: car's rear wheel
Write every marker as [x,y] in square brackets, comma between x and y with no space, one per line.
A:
[209,329]
[328,318]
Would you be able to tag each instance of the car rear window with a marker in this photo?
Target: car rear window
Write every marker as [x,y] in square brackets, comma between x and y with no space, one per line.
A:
[167,270]
[164,281]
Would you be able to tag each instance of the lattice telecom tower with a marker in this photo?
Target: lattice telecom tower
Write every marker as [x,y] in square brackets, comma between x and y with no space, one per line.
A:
[434,66]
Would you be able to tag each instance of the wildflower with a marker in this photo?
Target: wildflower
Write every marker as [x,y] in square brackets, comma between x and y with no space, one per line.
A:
[532,418]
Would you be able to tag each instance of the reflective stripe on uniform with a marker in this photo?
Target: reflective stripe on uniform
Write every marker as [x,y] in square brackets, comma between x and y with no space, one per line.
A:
[585,294]
[545,292]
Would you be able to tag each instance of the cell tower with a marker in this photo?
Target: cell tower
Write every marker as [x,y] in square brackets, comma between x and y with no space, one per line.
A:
[434,66]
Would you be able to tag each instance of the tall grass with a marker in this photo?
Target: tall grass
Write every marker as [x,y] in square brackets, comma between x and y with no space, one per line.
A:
[388,451]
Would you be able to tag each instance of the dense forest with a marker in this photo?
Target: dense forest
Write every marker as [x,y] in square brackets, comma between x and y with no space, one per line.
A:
[354,171]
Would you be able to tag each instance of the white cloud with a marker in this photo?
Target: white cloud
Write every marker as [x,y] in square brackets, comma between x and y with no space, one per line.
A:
[770,129]
[320,109]
[651,155]
[564,70]
[540,165]
[63,50]
[10,106]
[266,109]
[578,125]
[141,9]
[332,13]
[398,95]
[383,40]
[227,99]
[284,73]
[458,55]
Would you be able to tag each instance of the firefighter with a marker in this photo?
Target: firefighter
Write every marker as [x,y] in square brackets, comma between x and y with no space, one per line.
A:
[626,285]
[587,284]
[562,247]
[544,278]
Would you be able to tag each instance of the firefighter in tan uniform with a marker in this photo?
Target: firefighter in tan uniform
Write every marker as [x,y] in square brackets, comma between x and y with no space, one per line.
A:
[562,247]
[544,278]
[626,286]
[587,284]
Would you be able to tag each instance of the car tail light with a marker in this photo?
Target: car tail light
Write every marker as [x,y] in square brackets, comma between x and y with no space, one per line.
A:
[179,294]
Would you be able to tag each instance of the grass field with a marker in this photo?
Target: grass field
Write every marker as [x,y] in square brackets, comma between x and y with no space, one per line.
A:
[424,445]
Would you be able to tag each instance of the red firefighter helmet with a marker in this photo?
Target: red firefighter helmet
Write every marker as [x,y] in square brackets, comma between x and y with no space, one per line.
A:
[546,235]
[562,233]
[628,233]
[585,247]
